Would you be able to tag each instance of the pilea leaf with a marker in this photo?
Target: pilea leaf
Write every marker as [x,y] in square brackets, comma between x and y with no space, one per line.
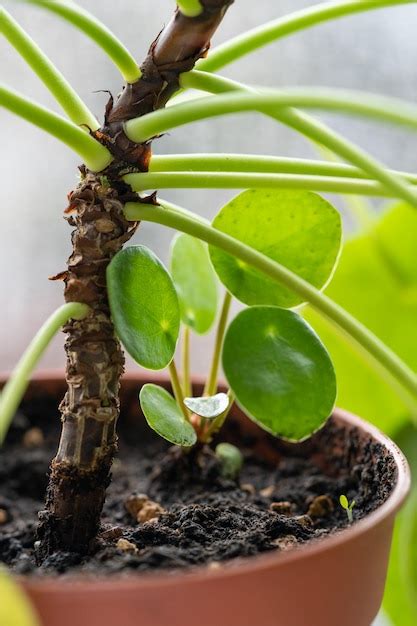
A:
[279,371]
[208,406]
[195,281]
[164,416]
[144,306]
[299,229]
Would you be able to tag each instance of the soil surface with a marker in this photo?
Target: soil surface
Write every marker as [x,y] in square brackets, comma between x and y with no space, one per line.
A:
[170,510]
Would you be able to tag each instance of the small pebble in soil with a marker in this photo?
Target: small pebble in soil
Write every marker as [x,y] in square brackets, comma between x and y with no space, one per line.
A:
[283,508]
[33,438]
[142,509]
[321,507]
[3,516]
[126,546]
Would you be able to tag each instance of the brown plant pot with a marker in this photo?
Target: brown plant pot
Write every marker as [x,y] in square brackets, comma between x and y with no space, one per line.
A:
[337,581]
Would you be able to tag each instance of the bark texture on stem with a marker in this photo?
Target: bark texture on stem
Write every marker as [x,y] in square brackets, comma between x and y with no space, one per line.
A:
[80,472]
[178,47]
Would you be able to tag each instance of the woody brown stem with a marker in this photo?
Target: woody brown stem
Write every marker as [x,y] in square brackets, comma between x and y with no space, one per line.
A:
[80,472]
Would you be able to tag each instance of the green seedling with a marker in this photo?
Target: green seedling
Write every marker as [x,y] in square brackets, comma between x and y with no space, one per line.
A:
[272,248]
[348,507]
[231,460]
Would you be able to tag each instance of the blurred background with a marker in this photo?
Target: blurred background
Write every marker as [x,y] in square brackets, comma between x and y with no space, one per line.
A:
[376,51]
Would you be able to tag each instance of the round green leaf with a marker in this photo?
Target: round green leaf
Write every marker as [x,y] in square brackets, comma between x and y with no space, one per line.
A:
[299,229]
[208,407]
[280,372]
[195,281]
[344,503]
[144,306]
[164,416]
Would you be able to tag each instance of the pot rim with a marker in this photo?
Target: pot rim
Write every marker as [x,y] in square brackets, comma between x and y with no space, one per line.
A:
[239,566]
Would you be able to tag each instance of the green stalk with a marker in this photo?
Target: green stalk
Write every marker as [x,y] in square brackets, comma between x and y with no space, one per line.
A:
[311,128]
[211,385]
[271,31]
[98,32]
[246,180]
[262,164]
[190,8]
[95,156]
[176,388]
[324,305]
[16,386]
[52,78]
[185,359]
[389,109]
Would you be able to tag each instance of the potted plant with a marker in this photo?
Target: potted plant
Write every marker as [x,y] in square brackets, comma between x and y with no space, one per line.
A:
[315,490]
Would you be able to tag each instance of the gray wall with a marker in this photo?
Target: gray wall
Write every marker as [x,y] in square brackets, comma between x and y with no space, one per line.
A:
[377,52]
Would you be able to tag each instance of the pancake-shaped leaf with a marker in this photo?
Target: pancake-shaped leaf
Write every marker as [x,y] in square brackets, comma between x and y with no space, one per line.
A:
[195,281]
[144,306]
[208,406]
[299,229]
[165,417]
[280,371]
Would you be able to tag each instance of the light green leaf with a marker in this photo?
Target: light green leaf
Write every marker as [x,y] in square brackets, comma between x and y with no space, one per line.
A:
[279,371]
[376,281]
[164,416]
[208,406]
[195,281]
[144,306]
[299,229]
[15,608]
[344,502]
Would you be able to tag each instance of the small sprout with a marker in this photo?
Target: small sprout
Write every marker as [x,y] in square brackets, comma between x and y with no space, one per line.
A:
[231,460]
[208,407]
[344,503]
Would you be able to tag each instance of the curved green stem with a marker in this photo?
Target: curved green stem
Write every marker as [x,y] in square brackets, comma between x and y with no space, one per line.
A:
[176,388]
[246,180]
[15,388]
[311,128]
[185,359]
[262,164]
[271,31]
[267,101]
[190,8]
[98,32]
[52,78]
[324,305]
[95,156]
[211,385]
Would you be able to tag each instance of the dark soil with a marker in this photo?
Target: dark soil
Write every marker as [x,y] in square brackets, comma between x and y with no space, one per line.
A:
[287,495]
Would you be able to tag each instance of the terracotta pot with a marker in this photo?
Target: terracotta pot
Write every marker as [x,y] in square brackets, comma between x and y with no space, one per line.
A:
[338,581]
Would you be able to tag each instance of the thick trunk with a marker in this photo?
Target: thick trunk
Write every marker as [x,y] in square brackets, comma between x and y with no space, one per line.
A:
[80,472]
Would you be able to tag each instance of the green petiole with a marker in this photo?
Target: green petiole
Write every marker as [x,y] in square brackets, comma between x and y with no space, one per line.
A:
[98,32]
[190,8]
[282,27]
[52,78]
[244,180]
[16,386]
[95,156]
[212,162]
